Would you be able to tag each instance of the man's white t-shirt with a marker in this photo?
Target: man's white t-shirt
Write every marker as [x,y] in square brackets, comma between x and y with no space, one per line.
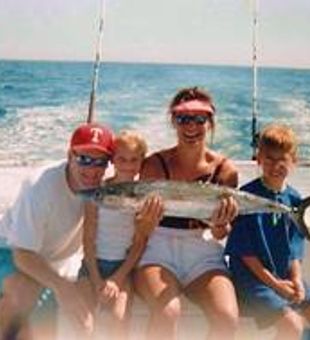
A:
[47,219]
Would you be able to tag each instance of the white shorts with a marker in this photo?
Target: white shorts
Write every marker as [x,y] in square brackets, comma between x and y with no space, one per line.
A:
[186,253]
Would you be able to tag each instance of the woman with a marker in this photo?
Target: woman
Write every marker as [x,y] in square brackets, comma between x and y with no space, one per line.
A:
[178,259]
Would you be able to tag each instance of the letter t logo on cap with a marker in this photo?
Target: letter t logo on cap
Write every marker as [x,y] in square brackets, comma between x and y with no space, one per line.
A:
[96,133]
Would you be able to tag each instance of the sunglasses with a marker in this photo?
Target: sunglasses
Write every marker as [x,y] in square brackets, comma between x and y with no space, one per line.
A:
[88,161]
[184,119]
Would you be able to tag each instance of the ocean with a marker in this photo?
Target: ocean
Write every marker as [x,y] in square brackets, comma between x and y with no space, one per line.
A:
[41,102]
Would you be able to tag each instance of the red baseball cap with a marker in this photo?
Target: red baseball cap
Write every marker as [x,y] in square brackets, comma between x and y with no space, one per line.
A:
[92,136]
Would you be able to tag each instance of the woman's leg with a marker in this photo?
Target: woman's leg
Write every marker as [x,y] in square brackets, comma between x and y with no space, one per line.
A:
[215,294]
[160,290]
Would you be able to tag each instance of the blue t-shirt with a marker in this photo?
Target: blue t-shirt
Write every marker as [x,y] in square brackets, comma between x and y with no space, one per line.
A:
[273,238]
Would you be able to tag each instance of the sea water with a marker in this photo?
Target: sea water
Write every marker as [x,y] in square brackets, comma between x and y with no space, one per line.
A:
[42,102]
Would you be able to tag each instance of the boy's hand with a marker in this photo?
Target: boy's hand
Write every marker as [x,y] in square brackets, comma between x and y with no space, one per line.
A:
[148,217]
[300,293]
[286,289]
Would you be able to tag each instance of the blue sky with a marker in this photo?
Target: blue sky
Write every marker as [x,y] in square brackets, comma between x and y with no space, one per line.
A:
[180,31]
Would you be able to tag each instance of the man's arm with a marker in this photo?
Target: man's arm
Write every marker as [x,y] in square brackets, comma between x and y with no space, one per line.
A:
[66,292]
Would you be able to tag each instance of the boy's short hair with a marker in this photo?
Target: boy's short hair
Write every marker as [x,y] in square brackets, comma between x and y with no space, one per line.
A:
[280,137]
[133,140]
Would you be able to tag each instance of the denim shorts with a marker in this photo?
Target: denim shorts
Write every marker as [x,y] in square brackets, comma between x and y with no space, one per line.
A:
[265,305]
[106,268]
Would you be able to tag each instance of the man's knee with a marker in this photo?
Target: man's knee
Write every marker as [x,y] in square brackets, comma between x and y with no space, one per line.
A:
[19,295]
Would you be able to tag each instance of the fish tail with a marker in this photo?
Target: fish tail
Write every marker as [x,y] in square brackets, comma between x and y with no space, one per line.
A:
[301,216]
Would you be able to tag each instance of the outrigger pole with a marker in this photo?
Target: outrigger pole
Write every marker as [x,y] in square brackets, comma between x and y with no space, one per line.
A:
[254,68]
[92,99]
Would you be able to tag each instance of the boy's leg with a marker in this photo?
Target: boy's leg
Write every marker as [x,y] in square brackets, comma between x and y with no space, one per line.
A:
[289,325]
[270,309]
[306,315]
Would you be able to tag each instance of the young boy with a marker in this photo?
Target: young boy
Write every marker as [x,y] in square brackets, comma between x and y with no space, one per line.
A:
[266,250]
[114,239]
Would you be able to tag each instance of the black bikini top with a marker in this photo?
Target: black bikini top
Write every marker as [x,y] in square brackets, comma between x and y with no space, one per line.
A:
[183,222]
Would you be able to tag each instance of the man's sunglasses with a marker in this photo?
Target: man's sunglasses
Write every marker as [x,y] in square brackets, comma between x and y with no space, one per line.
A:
[184,119]
[85,161]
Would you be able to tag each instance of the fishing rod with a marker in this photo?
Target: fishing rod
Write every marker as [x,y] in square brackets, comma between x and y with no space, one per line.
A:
[92,99]
[255,133]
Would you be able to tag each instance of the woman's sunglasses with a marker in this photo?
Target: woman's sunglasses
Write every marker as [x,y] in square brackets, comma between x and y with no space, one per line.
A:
[184,119]
[85,161]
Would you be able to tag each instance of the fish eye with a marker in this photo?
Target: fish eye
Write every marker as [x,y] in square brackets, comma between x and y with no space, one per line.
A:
[98,195]
[110,190]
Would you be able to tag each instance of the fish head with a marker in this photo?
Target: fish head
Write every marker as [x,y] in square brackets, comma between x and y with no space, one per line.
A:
[109,194]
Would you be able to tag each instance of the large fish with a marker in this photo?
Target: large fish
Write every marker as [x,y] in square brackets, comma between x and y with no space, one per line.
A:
[192,199]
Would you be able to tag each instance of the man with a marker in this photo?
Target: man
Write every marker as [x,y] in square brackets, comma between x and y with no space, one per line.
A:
[44,233]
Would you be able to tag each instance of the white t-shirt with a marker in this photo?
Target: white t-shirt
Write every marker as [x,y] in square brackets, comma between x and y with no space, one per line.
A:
[47,219]
[114,233]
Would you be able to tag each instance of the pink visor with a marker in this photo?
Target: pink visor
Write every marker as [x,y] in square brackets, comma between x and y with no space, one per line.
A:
[194,106]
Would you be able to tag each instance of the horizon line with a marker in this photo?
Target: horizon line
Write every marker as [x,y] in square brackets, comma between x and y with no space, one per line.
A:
[157,62]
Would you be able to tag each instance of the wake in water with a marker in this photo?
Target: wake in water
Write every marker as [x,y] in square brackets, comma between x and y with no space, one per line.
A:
[47,100]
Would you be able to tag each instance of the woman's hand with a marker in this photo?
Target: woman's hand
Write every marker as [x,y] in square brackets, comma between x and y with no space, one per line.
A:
[148,217]
[225,212]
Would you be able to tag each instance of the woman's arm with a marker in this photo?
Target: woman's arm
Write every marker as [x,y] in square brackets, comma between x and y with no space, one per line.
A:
[228,208]
[229,174]
[67,294]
